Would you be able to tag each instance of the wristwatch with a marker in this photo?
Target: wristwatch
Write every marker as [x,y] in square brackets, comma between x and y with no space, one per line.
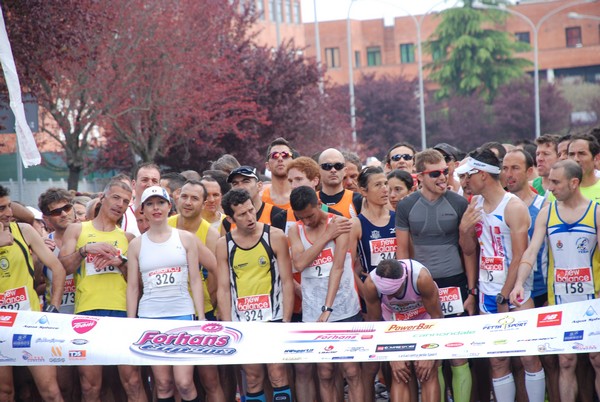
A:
[326,308]
[474,292]
[500,299]
[123,259]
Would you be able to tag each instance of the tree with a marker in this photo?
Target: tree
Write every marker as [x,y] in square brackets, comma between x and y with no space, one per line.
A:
[513,110]
[56,47]
[388,112]
[469,57]
[190,55]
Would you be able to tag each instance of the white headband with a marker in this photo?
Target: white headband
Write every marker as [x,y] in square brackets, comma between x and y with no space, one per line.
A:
[472,163]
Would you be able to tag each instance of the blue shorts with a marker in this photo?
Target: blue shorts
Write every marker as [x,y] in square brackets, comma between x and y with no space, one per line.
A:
[105,313]
[487,303]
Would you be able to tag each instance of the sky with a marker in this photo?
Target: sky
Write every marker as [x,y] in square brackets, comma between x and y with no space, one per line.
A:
[328,10]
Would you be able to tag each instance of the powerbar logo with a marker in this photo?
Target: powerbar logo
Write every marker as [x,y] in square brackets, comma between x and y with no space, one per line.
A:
[405,328]
[210,339]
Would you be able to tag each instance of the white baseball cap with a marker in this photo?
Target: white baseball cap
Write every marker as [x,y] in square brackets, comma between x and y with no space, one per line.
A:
[154,191]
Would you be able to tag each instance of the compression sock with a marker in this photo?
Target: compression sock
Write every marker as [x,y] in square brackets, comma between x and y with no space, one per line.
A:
[504,388]
[535,383]
[282,394]
[442,383]
[256,397]
[461,383]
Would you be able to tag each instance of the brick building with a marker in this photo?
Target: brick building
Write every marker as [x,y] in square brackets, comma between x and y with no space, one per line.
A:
[567,47]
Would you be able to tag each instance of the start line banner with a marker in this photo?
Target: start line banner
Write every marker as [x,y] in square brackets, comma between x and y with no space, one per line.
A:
[31,338]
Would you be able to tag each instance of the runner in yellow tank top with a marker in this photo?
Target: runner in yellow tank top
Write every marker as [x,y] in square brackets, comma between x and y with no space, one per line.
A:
[17,292]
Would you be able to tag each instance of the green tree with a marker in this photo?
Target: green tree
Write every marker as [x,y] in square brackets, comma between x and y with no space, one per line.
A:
[471,55]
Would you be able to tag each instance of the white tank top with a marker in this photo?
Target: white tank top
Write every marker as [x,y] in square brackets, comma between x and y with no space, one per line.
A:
[164,271]
[315,281]
[496,247]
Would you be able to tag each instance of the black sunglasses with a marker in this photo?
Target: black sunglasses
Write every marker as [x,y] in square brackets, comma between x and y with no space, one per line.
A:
[337,166]
[58,211]
[406,157]
[434,174]
[283,154]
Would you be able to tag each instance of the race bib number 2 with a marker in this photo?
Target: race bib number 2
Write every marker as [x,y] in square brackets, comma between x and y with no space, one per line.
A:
[321,266]
[255,308]
[15,299]
[451,300]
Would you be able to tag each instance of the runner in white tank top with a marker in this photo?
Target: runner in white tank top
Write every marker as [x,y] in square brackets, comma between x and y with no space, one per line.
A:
[162,256]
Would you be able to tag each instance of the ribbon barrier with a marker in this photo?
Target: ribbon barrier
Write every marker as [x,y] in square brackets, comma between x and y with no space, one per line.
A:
[32,338]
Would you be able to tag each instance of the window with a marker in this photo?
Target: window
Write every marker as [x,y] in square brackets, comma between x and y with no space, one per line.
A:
[272,10]
[437,53]
[407,53]
[288,11]
[522,37]
[573,35]
[357,58]
[260,9]
[332,57]
[374,56]
[297,18]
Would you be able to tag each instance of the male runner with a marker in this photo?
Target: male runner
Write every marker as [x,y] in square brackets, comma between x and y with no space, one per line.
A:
[17,292]
[147,174]
[254,262]
[333,194]
[95,251]
[570,225]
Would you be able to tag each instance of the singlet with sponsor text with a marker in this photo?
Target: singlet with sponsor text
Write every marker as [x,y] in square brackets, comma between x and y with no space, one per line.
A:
[315,282]
[100,289]
[409,306]
[256,289]
[495,247]
[17,290]
[377,242]
[574,258]
[165,277]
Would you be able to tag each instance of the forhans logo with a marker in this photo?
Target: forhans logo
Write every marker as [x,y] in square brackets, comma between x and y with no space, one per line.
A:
[208,340]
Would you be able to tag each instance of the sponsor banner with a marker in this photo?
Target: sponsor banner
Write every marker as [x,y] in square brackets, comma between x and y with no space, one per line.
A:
[33,338]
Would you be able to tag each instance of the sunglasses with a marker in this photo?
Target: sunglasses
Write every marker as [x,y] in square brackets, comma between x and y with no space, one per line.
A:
[276,155]
[434,174]
[337,166]
[406,157]
[58,211]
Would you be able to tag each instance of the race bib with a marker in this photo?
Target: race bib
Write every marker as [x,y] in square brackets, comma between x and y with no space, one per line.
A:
[255,308]
[166,277]
[451,300]
[408,314]
[15,299]
[321,266]
[573,284]
[382,249]
[492,270]
[68,298]
[90,267]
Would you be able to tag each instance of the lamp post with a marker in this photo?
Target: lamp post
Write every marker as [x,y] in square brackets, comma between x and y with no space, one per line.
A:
[418,23]
[535,28]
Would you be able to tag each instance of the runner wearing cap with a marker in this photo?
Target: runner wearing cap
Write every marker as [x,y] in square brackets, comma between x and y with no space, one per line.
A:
[400,290]
[499,223]
[450,155]
[246,177]
[166,259]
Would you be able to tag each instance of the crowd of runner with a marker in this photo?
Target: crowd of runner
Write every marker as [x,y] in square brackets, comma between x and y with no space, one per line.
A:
[321,239]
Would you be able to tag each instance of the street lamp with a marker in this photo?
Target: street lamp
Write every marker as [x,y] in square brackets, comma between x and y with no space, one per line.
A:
[535,28]
[578,16]
[418,23]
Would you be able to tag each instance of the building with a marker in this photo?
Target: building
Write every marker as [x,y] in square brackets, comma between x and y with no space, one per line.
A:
[289,23]
[569,48]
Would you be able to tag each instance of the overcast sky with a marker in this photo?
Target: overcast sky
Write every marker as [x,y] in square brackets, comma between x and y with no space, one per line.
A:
[328,10]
